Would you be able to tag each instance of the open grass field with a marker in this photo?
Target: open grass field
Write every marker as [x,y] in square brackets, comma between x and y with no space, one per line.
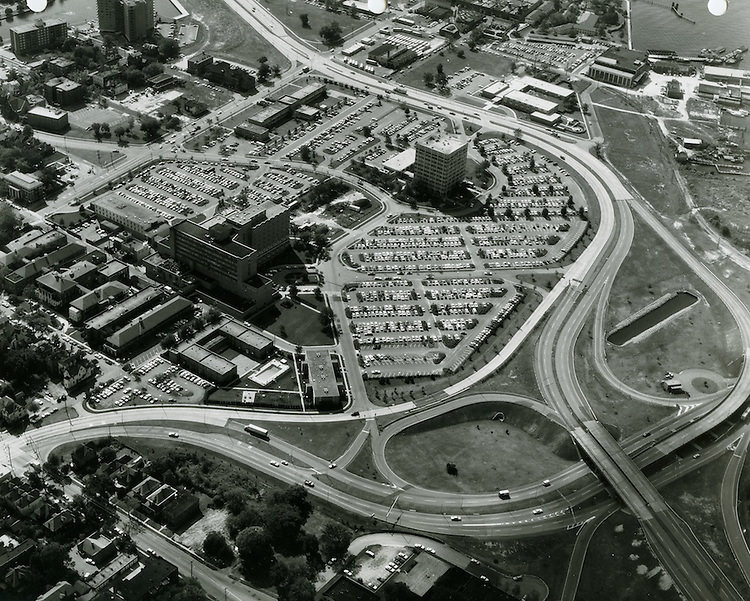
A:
[704,336]
[363,465]
[618,565]
[637,148]
[324,440]
[289,11]
[485,62]
[611,407]
[696,498]
[488,455]
[546,557]
[298,324]
[225,35]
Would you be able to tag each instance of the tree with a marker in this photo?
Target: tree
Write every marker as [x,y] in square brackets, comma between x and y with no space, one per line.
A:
[9,224]
[545,213]
[153,69]
[305,153]
[215,546]
[283,526]
[451,469]
[331,34]
[429,79]
[169,48]
[169,341]
[190,591]
[120,131]
[249,517]
[255,552]
[264,72]
[397,591]
[518,134]
[293,291]
[213,315]
[335,539]
[305,20]
[150,127]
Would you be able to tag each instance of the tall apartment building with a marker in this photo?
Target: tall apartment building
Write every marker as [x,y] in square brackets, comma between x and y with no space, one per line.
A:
[132,18]
[42,33]
[440,163]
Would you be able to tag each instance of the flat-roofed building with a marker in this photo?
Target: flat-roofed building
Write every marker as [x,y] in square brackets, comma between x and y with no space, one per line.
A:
[271,115]
[528,103]
[739,77]
[547,88]
[88,304]
[144,328]
[205,363]
[41,33]
[63,91]
[402,161]
[620,67]
[440,163]
[322,387]
[24,188]
[246,340]
[128,309]
[139,220]
[544,118]
[494,89]
[47,119]
[251,131]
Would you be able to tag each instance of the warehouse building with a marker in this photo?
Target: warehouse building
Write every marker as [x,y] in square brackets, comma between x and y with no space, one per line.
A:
[620,67]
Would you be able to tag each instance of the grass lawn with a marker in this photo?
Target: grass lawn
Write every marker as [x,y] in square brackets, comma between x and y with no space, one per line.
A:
[298,324]
[546,557]
[617,563]
[100,158]
[491,64]
[326,440]
[696,498]
[704,336]
[363,465]
[489,455]
[398,390]
[610,406]
[309,299]
[289,14]
[225,35]
[637,148]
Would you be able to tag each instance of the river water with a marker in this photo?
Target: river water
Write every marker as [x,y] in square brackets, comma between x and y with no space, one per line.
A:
[655,26]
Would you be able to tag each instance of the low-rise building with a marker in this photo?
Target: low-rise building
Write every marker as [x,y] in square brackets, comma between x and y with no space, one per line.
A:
[322,388]
[47,119]
[139,220]
[63,91]
[251,131]
[207,364]
[24,188]
[529,103]
[620,67]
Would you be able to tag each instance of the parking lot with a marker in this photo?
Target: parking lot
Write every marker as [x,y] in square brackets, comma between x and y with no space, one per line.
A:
[155,381]
[558,56]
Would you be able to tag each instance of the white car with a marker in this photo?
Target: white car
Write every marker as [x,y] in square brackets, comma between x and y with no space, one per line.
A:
[275,463]
[174,434]
[538,511]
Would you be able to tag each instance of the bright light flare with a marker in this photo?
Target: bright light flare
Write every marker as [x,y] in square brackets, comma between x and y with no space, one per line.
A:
[36,6]
[376,6]
[717,7]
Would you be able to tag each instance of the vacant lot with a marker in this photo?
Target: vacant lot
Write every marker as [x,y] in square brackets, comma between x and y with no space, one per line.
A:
[724,200]
[620,566]
[289,14]
[491,64]
[696,498]
[488,455]
[363,465]
[637,148]
[225,35]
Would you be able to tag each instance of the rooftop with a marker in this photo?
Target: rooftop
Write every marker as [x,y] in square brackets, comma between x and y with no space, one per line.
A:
[321,375]
[241,332]
[25,28]
[45,111]
[134,211]
[103,292]
[148,322]
[23,180]
[444,144]
[219,236]
[623,59]
[130,304]
[208,359]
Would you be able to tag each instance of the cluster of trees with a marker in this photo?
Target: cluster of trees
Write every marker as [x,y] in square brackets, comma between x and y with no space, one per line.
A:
[439,79]
[20,150]
[10,223]
[211,316]
[326,191]
[314,241]
[332,35]
[269,537]
[266,71]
